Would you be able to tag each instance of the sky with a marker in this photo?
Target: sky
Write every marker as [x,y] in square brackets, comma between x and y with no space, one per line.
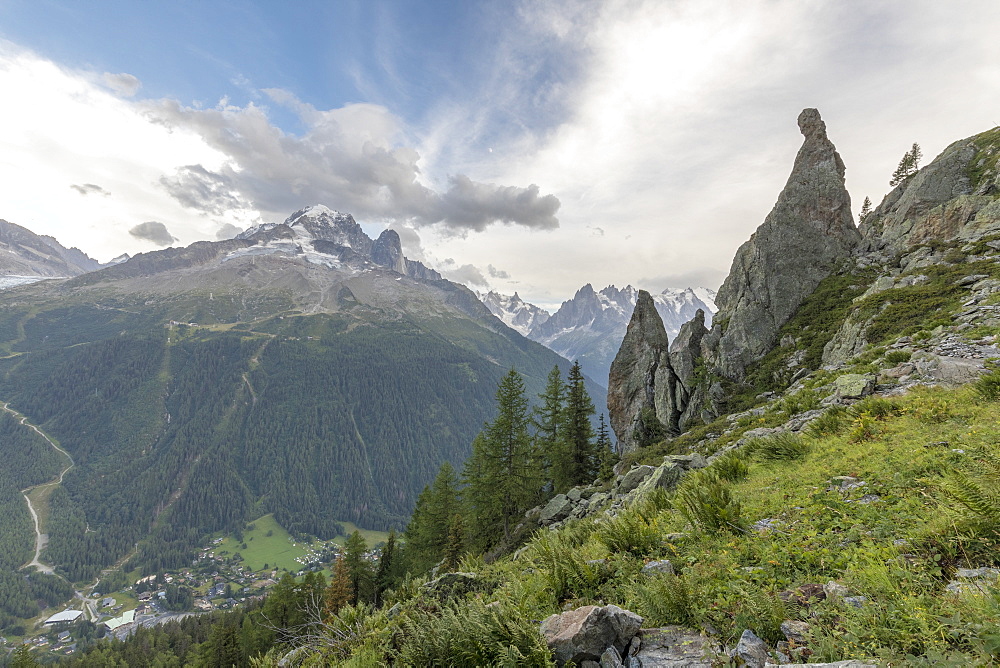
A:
[515,146]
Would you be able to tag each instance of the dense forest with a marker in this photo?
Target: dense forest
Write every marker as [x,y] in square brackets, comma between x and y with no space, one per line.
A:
[179,431]
[521,457]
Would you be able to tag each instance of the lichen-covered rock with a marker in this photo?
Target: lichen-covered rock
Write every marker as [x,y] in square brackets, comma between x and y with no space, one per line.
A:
[558,508]
[634,478]
[854,385]
[751,651]
[674,647]
[586,633]
[806,237]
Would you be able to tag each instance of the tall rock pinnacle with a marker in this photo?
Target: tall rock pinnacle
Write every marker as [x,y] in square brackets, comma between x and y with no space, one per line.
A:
[631,384]
[809,232]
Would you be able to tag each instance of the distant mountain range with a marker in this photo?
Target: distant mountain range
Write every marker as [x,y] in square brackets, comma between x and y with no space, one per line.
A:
[590,326]
[301,368]
[26,257]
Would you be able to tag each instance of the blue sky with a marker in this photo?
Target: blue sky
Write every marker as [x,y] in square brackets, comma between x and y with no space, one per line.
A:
[528,146]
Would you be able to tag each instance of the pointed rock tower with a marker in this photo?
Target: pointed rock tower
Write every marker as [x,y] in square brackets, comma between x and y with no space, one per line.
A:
[806,237]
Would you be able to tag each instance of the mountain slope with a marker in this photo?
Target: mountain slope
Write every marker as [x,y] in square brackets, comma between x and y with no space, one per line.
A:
[285,371]
[26,257]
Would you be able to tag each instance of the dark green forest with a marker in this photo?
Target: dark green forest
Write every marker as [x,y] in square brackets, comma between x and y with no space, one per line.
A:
[179,431]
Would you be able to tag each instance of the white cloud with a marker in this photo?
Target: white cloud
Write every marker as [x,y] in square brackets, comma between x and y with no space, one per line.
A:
[126,85]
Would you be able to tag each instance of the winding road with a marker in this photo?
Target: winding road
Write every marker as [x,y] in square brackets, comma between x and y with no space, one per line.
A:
[41,539]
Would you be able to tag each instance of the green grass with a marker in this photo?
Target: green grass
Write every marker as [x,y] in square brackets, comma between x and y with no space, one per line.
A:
[730,580]
[279,549]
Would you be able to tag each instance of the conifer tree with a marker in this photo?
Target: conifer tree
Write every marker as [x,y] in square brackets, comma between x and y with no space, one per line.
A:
[358,569]
[385,575]
[502,473]
[338,594]
[606,456]
[455,548]
[548,424]
[427,531]
[908,165]
[866,210]
[580,463]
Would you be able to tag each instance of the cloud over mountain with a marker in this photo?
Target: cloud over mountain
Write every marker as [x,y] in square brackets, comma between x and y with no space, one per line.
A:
[357,156]
[153,231]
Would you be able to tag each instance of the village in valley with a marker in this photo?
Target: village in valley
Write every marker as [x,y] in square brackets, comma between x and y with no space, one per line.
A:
[228,572]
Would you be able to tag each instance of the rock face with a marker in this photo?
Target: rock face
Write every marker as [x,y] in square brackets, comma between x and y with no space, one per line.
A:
[631,383]
[952,197]
[388,252]
[808,234]
[24,253]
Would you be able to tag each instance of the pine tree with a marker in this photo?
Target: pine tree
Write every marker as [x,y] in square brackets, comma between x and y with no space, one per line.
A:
[502,473]
[866,210]
[580,464]
[908,165]
[338,594]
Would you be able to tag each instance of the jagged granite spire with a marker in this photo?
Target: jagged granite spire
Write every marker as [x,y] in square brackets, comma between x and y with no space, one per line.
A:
[631,382]
[808,234]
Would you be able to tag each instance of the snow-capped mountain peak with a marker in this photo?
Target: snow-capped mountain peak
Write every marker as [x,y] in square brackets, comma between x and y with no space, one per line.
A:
[590,326]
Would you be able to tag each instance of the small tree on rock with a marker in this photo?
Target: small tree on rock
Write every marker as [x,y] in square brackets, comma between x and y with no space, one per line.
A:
[908,165]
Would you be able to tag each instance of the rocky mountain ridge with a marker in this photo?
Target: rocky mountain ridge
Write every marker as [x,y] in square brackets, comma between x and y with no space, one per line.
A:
[590,326]
[809,241]
[26,257]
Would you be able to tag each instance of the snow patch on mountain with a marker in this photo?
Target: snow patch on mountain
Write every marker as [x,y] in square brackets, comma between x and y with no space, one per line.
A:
[516,313]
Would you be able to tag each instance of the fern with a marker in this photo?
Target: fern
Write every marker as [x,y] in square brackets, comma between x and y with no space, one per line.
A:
[631,532]
[707,504]
[565,571]
[784,446]
[731,467]
[979,491]
[665,599]
[471,633]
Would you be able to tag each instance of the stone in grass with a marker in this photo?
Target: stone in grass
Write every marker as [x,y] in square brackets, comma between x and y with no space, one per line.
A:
[835,590]
[657,567]
[795,631]
[585,633]
[673,646]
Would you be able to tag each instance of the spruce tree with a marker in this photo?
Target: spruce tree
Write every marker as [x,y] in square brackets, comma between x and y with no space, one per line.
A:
[385,576]
[548,424]
[358,568]
[580,463]
[606,456]
[455,548]
[502,473]
[427,531]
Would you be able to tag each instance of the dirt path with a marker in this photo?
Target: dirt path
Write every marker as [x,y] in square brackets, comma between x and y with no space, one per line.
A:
[41,539]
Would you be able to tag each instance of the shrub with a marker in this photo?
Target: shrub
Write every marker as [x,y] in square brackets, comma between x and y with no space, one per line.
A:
[708,504]
[878,408]
[784,446]
[898,356]
[863,428]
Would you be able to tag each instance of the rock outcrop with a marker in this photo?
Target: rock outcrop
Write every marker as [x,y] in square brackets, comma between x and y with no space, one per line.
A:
[952,197]
[632,380]
[809,233]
